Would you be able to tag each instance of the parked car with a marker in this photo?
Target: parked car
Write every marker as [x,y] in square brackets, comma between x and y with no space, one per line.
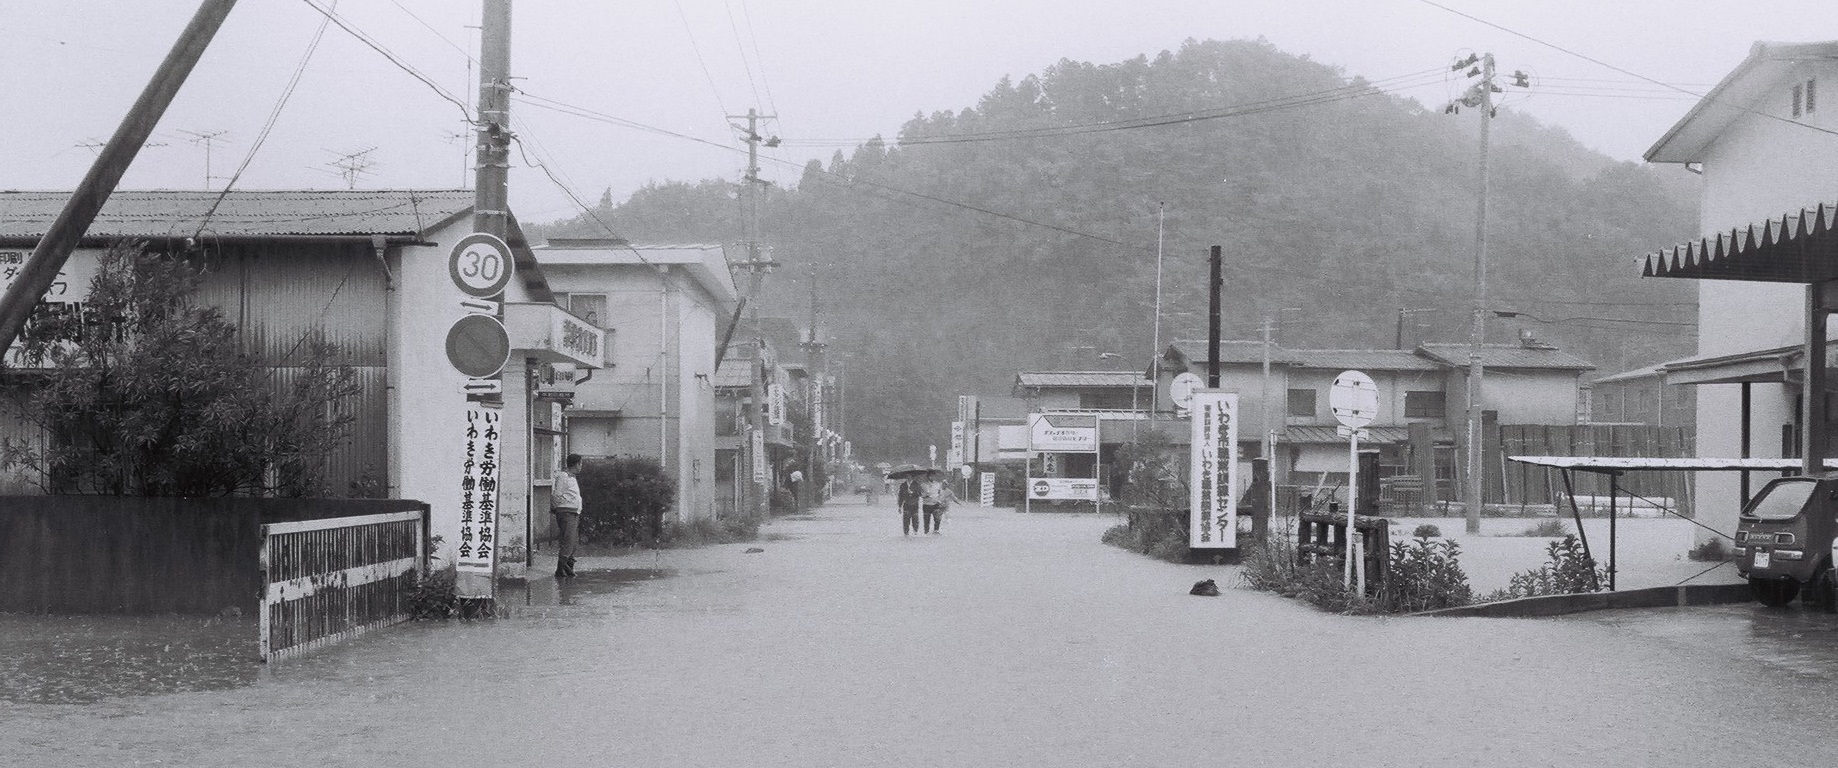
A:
[1785,541]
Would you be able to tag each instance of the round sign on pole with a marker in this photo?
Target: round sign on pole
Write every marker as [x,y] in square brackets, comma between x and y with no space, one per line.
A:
[1354,399]
[1181,389]
[478,346]
[480,265]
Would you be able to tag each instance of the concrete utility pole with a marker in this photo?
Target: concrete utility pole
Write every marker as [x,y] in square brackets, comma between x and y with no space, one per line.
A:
[813,349]
[1477,335]
[757,266]
[41,268]
[1214,283]
[491,208]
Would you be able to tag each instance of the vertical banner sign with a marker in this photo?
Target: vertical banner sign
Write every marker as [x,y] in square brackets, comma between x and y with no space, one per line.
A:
[479,493]
[775,403]
[759,456]
[1213,499]
[954,455]
[988,495]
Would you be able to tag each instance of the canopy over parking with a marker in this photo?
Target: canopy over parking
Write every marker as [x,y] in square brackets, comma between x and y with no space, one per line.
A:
[1614,466]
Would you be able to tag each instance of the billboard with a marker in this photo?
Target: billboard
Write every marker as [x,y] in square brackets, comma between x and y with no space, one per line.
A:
[1063,432]
[1213,482]
[1063,488]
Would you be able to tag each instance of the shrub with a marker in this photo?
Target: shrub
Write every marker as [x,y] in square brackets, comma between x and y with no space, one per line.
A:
[1549,528]
[1712,550]
[1569,571]
[703,532]
[434,597]
[783,502]
[624,499]
[1427,531]
[1158,533]
[1424,575]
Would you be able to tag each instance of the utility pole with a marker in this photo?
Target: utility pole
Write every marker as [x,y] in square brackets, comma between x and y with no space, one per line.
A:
[41,268]
[813,402]
[491,194]
[757,266]
[1155,353]
[1265,447]
[1479,95]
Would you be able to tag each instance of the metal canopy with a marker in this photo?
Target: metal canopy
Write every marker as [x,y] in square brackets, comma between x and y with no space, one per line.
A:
[1799,247]
[1619,464]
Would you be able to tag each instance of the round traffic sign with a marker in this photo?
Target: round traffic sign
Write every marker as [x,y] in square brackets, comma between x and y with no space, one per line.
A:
[478,346]
[1354,399]
[480,265]
[1181,389]
[1041,487]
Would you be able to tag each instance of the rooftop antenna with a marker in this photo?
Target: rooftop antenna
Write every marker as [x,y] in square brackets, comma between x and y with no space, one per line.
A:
[208,139]
[352,166]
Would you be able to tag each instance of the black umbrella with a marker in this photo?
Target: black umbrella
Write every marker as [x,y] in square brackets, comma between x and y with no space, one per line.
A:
[905,471]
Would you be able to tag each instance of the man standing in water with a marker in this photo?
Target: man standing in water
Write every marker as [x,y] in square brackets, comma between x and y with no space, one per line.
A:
[565,504]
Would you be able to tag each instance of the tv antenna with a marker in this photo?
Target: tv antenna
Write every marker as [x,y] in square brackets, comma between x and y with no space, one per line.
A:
[353,165]
[208,139]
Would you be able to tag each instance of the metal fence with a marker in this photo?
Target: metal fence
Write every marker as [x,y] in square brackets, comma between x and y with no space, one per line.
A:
[332,579]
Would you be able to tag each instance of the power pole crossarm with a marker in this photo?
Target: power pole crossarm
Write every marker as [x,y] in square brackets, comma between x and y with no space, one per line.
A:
[40,270]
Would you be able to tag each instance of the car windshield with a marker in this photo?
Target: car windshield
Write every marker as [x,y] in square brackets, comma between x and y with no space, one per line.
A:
[1782,499]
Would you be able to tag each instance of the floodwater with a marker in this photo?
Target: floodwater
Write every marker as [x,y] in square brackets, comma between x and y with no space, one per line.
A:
[1010,640]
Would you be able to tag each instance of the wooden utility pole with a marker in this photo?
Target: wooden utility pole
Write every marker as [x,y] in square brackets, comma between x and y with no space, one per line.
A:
[491,196]
[1477,335]
[41,268]
[813,402]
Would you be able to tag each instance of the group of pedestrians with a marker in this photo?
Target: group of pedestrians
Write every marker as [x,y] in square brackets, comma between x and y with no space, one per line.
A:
[923,498]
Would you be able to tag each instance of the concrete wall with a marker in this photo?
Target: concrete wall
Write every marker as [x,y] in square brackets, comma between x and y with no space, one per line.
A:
[109,554]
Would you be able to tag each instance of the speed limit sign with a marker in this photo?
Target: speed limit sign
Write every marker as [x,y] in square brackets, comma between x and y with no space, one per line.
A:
[480,265]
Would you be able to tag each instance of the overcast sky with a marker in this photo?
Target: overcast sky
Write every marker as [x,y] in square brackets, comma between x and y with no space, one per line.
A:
[833,72]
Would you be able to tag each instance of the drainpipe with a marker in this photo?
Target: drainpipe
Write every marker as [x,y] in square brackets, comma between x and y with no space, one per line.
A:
[392,483]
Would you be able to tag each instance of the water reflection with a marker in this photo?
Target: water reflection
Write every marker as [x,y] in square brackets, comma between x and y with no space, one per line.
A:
[84,659]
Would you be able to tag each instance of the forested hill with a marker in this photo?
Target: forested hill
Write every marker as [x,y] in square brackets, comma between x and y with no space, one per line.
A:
[1020,233]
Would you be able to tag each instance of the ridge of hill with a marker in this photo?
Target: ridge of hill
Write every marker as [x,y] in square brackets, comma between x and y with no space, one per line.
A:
[1020,233]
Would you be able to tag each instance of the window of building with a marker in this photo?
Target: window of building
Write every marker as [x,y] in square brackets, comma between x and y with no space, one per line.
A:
[587,306]
[1302,402]
[1425,404]
[1811,90]
[1796,99]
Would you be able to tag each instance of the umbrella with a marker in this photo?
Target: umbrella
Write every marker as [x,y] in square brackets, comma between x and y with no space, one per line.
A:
[905,471]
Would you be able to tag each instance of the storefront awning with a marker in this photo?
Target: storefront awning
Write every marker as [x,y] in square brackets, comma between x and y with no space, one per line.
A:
[1799,247]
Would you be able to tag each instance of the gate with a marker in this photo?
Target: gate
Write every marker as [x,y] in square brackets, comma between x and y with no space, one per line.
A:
[331,579]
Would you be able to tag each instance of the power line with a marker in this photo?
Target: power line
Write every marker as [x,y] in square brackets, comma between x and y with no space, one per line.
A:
[1598,62]
[372,44]
[697,49]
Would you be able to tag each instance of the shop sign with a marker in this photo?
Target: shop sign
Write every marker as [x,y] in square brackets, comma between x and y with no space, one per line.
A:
[1213,481]
[479,478]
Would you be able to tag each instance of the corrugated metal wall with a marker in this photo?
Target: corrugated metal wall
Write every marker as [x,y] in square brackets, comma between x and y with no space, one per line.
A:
[282,296]
[281,293]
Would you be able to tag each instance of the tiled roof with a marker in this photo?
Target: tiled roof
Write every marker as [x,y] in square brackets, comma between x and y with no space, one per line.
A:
[1507,356]
[243,213]
[1252,353]
[733,373]
[1121,379]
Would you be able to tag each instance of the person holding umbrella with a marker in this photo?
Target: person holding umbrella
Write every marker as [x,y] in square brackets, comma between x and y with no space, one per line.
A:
[934,497]
[908,498]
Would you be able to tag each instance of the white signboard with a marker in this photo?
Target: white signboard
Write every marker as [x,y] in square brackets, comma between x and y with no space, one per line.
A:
[479,476]
[1213,484]
[987,497]
[1069,488]
[954,455]
[759,456]
[1063,432]
[1181,389]
[775,403]
[72,283]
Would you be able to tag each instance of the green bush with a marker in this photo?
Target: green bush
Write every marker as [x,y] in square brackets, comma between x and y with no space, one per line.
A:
[1158,533]
[1712,550]
[703,532]
[1569,571]
[624,500]
[1427,531]
[1424,575]
[1549,528]
[434,597]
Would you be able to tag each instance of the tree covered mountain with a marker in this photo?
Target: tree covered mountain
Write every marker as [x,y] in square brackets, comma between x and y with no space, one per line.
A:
[1021,232]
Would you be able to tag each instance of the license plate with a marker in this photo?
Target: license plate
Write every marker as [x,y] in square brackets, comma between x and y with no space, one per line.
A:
[1762,557]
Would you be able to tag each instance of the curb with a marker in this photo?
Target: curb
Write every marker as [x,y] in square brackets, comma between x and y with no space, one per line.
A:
[1558,605]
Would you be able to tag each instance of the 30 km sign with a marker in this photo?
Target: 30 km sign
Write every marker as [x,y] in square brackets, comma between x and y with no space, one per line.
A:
[480,265]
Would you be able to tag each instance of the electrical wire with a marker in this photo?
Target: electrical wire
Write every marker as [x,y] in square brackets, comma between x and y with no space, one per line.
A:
[697,49]
[372,44]
[1598,62]
[274,116]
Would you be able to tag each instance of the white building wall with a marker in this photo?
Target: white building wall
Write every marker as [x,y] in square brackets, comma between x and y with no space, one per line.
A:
[1760,168]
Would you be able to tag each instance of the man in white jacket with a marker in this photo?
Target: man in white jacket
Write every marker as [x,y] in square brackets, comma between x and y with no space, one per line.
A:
[565,504]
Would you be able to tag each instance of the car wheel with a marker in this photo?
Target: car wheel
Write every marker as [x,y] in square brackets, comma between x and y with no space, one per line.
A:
[1773,593]
[1822,591]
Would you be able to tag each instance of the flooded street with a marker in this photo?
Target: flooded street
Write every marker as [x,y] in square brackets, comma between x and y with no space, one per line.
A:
[1009,640]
